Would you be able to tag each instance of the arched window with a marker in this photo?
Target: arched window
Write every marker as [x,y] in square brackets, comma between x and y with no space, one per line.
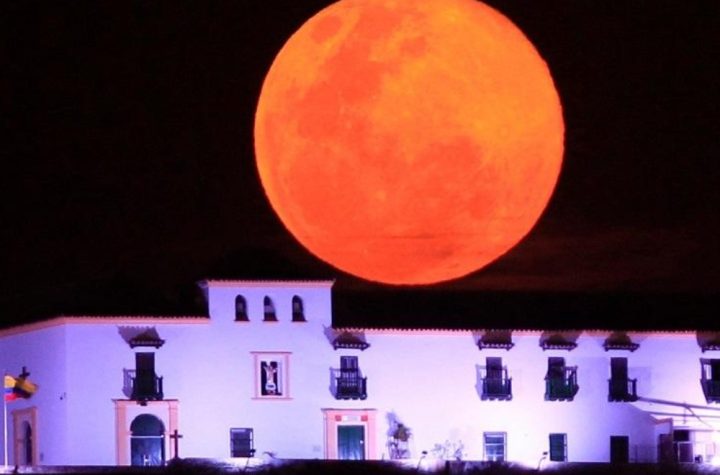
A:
[147,441]
[298,314]
[269,310]
[240,309]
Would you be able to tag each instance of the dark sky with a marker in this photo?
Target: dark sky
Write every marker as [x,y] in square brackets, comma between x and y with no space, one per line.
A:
[128,168]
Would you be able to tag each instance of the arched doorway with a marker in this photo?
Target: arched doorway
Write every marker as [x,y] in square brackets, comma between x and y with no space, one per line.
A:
[147,441]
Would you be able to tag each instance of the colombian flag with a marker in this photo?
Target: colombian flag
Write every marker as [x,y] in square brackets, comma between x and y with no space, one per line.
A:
[18,388]
[9,388]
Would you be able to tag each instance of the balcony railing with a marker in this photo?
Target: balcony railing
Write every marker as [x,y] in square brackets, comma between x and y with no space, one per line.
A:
[711,388]
[561,387]
[494,388]
[623,390]
[147,387]
[351,386]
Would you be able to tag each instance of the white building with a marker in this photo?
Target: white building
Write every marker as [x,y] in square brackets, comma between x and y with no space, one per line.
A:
[266,372]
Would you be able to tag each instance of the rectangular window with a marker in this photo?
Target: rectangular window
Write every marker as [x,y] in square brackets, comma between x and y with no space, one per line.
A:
[621,387]
[619,369]
[560,380]
[558,447]
[271,375]
[495,383]
[242,443]
[494,446]
[710,379]
[146,385]
[350,383]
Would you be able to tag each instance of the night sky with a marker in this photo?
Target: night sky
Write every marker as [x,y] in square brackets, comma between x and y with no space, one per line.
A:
[128,168]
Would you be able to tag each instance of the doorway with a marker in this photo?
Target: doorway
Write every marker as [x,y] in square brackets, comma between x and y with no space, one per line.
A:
[351,442]
[147,441]
[619,449]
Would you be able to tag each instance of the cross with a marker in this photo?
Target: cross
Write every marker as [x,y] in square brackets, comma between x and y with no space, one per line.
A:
[175,436]
[24,373]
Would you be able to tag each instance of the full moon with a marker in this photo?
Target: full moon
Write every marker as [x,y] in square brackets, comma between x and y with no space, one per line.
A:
[409,142]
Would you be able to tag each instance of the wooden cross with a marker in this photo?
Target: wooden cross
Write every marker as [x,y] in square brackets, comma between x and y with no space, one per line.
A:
[175,436]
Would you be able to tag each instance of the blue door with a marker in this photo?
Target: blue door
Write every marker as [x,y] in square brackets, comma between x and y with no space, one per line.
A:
[147,441]
[351,442]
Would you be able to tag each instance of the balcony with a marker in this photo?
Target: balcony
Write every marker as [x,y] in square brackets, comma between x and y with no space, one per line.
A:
[711,389]
[146,387]
[350,385]
[494,388]
[562,386]
[622,390]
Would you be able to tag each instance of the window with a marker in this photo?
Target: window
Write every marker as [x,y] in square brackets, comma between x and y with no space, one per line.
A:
[621,387]
[271,375]
[269,310]
[240,309]
[560,381]
[558,447]
[350,384]
[298,313]
[242,443]
[496,384]
[146,384]
[494,446]
[710,379]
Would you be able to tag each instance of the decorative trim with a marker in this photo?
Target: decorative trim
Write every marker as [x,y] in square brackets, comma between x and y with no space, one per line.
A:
[558,345]
[506,345]
[362,417]
[148,338]
[630,346]
[347,340]
[126,411]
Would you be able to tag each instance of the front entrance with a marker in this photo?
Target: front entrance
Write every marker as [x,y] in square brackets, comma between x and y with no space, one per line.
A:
[147,441]
[619,449]
[350,434]
[351,442]
[25,443]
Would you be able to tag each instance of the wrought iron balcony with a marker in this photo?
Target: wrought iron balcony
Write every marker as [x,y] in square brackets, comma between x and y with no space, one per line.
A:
[563,386]
[711,389]
[622,390]
[494,388]
[351,386]
[146,387]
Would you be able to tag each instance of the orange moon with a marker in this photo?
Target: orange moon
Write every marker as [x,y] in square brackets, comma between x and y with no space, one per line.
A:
[408,142]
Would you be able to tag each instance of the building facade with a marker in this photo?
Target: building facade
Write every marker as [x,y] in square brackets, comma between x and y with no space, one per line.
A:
[266,374]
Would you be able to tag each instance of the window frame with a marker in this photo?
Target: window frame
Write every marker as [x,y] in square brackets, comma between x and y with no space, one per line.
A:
[269,309]
[563,437]
[298,309]
[241,315]
[237,430]
[282,358]
[486,445]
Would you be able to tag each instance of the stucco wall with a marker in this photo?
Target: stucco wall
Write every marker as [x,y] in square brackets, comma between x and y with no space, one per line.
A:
[429,380]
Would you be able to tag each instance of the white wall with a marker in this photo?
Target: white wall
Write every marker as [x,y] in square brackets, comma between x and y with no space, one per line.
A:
[43,352]
[428,379]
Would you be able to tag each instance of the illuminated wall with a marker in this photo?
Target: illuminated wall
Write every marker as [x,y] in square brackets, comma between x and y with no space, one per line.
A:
[430,380]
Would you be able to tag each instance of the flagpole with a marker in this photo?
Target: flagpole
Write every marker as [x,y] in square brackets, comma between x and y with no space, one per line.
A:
[5,428]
